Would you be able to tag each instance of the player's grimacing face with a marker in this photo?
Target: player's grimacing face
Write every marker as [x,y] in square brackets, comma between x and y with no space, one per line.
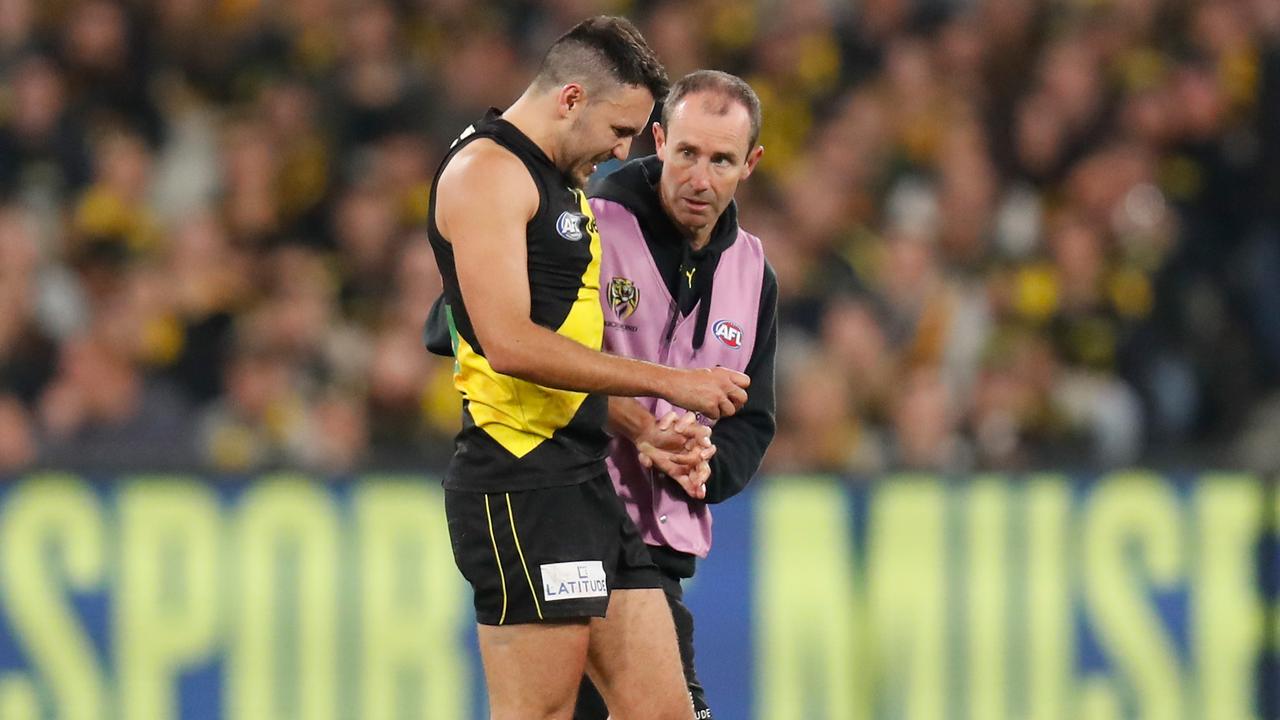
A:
[605,128]
[705,154]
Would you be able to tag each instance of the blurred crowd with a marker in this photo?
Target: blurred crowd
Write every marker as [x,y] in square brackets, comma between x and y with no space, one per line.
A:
[1009,234]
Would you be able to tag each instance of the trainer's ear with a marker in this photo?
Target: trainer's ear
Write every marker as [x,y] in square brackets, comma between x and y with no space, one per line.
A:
[570,98]
[660,141]
[753,158]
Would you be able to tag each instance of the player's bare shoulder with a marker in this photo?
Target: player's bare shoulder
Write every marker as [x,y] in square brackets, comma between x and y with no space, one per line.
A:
[487,179]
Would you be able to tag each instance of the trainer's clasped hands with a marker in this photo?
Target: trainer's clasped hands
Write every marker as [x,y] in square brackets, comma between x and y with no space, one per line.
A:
[680,447]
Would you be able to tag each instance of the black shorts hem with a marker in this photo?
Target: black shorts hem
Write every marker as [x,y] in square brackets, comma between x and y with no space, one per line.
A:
[549,615]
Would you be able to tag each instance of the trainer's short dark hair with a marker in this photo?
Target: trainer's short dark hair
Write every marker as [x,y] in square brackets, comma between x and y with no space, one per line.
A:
[603,51]
[730,88]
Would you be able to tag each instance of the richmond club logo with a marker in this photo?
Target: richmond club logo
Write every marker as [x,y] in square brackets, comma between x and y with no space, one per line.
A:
[624,296]
[728,332]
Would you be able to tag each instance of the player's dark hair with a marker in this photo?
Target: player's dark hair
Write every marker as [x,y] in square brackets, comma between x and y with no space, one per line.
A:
[600,51]
[730,88]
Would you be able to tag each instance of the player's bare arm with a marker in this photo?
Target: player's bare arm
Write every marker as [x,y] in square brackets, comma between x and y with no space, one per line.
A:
[488,242]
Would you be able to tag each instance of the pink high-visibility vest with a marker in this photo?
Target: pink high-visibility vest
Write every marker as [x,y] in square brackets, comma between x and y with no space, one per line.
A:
[639,313]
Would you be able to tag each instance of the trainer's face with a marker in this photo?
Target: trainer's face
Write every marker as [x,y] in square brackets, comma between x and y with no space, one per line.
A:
[705,152]
[603,127]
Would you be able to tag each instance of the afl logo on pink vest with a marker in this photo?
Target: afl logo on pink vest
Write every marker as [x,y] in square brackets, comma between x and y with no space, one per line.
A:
[728,332]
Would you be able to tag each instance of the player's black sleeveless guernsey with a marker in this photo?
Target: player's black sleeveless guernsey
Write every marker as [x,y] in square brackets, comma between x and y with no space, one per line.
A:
[517,435]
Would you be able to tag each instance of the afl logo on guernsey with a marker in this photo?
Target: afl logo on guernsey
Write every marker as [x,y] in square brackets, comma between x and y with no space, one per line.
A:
[569,225]
[728,332]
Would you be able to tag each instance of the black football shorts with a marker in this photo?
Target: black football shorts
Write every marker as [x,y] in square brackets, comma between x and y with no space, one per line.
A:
[546,554]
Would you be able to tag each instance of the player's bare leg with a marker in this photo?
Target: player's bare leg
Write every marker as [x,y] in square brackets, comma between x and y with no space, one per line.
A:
[634,660]
[533,670]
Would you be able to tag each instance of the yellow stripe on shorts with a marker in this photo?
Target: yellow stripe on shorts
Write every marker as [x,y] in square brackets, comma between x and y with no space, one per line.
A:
[498,558]
[537,606]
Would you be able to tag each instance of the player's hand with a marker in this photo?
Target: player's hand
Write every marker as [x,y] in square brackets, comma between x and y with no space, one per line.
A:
[681,448]
[715,392]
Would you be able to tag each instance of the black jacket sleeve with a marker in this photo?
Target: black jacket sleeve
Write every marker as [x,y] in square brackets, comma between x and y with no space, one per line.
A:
[435,333]
[742,438]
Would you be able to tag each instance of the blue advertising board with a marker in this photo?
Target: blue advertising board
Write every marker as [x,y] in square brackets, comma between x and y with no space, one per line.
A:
[1045,597]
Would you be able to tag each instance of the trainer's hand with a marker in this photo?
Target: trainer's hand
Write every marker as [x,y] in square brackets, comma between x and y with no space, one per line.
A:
[663,435]
[679,447]
[694,482]
[715,392]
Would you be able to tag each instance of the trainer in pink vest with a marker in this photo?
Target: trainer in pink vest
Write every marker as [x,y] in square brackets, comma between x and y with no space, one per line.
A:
[639,311]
